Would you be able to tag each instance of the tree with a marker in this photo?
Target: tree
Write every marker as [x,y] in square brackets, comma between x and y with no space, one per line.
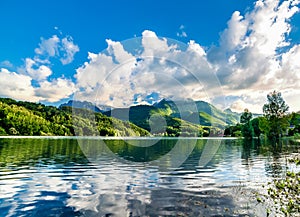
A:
[247,129]
[275,111]
[294,120]
[246,116]
[255,125]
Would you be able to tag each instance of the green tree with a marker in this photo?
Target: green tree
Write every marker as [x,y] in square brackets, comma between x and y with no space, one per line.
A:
[246,116]
[247,129]
[275,111]
[255,125]
[2,131]
[295,124]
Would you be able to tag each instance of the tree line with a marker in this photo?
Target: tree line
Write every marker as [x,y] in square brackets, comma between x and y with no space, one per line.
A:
[276,122]
[36,119]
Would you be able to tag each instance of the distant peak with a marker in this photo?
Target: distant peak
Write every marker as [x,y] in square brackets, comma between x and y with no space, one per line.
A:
[228,110]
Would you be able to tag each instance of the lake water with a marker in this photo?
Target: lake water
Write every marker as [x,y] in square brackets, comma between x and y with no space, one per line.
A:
[137,177]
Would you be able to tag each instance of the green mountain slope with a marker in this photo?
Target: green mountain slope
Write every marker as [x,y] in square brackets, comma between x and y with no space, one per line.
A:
[165,118]
[158,121]
[177,118]
[195,115]
[25,118]
[199,112]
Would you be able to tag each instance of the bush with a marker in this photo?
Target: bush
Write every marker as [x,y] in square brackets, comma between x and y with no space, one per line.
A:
[2,132]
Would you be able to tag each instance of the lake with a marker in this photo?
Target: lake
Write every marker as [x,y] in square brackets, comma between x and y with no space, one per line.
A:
[69,176]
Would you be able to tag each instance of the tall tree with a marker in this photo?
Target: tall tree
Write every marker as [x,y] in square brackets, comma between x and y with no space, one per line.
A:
[275,111]
[255,125]
[247,129]
[246,116]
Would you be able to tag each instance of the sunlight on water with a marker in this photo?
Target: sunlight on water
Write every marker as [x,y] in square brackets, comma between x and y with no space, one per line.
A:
[54,177]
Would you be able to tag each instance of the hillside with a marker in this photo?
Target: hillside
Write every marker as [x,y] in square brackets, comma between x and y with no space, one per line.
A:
[36,119]
[165,118]
[201,115]
[158,121]
[199,111]
[86,105]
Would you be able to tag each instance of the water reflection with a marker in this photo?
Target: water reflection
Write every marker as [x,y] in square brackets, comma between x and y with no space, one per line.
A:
[54,177]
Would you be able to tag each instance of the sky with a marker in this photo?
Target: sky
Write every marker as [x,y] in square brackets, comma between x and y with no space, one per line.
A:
[120,53]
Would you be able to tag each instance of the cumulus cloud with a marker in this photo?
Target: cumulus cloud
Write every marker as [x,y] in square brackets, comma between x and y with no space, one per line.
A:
[116,49]
[239,105]
[291,66]
[68,49]
[233,37]
[37,71]
[55,90]
[48,47]
[162,66]
[254,56]
[17,86]
[56,47]
[33,82]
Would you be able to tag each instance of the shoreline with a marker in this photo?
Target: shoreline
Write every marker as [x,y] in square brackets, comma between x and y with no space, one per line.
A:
[113,137]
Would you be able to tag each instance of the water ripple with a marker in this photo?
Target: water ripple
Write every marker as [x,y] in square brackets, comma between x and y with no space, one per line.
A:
[60,184]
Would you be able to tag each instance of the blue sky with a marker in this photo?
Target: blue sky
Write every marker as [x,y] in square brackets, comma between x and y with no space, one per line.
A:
[51,51]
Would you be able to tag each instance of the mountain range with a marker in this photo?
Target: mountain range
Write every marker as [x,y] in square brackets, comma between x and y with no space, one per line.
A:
[163,118]
[169,116]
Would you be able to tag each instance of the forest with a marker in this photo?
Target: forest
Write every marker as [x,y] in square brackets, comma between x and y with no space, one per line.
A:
[276,122]
[36,119]
[161,119]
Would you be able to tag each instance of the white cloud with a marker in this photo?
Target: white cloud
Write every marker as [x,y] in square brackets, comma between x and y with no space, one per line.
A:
[48,47]
[17,86]
[68,49]
[240,105]
[116,76]
[270,25]
[55,90]
[234,35]
[31,82]
[181,33]
[194,47]
[56,47]
[95,71]
[291,97]
[37,71]
[6,63]
[116,49]
[254,56]
[291,66]
[154,46]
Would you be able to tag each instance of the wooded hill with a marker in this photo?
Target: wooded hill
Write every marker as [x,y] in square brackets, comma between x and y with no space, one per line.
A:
[165,118]
[36,119]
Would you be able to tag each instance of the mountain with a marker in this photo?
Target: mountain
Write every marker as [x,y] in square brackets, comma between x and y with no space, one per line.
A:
[156,120]
[164,118]
[199,111]
[86,105]
[139,115]
[36,119]
[191,111]
[193,114]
